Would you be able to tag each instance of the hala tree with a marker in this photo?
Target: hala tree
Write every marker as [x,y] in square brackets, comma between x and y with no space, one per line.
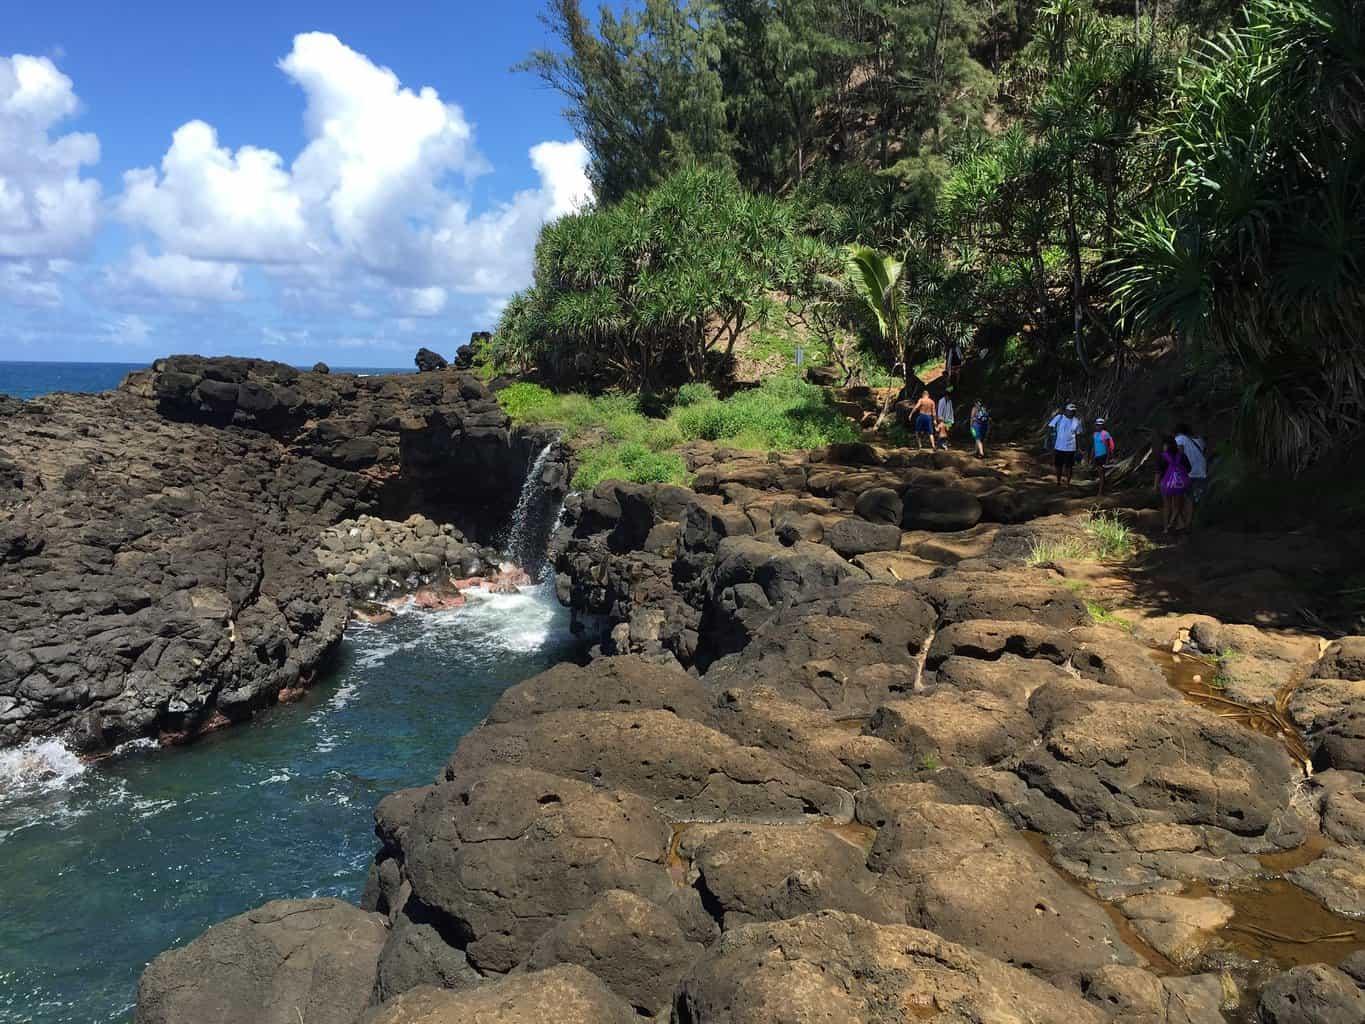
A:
[1255,247]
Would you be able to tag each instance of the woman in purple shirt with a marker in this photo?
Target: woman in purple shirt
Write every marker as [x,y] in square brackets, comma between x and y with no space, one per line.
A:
[1173,481]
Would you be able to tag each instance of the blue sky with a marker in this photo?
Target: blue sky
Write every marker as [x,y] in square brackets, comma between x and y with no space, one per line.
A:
[301,181]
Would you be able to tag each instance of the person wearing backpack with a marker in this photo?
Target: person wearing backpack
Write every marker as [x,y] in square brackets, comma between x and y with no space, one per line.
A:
[981,426]
[1173,481]
[1194,451]
[1101,449]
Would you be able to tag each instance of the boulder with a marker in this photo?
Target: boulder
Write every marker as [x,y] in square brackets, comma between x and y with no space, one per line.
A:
[954,727]
[832,966]
[1343,659]
[962,596]
[1137,996]
[1312,994]
[282,963]
[1125,762]
[880,505]
[427,361]
[417,953]
[988,640]
[852,537]
[686,769]
[605,684]
[635,947]
[755,873]
[566,994]
[940,508]
[505,852]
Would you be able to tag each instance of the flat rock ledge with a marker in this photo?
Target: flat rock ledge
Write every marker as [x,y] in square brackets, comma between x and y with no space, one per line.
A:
[790,788]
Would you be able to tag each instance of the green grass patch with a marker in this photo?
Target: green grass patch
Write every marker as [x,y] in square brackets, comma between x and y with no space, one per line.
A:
[1071,549]
[1102,616]
[1113,538]
[783,414]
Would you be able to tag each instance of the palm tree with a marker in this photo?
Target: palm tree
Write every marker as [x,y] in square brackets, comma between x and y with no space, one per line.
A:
[876,279]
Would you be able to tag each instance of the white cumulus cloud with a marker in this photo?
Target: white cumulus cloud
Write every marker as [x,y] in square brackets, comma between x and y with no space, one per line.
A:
[47,208]
[371,210]
[178,276]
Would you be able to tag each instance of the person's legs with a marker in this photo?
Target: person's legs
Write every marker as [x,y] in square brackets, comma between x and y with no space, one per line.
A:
[1187,510]
[1100,469]
[1167,503]
[1057,464]
[1070,466]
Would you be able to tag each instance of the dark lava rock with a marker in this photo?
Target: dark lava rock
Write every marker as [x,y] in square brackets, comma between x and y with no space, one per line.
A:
[635,947]
[427,360]
[880,505]
[291,960]
[566,994]
[321,368]
[940,508]
[1313,994]
[852,537]
[504,853]
[841,967]
[159,575]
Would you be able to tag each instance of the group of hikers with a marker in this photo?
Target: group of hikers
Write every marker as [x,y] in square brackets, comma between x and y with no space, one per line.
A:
[934,421]
[1182,465]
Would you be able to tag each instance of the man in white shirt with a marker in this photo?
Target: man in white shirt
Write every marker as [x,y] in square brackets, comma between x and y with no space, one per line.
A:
[946,415]
[1193,447]
[1066,426]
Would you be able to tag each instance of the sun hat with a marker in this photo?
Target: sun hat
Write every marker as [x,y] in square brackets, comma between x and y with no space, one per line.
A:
[1099,421]
[1070,406]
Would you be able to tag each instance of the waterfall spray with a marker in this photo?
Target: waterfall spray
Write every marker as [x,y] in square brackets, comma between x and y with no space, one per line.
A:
[533,518]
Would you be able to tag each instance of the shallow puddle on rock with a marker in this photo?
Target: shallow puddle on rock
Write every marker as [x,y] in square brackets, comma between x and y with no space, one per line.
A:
[1275,920]
[1156,962]
[1194,677]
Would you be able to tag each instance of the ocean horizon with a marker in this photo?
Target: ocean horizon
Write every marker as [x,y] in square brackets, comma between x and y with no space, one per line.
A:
[27,379]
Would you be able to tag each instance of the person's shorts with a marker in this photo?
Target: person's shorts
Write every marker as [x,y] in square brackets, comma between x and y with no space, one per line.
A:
[1064,460]
[978,432]
[924,423]
[1101,460]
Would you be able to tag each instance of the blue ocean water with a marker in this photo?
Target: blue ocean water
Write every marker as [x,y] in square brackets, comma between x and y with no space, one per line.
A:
[107,864]
[31,380]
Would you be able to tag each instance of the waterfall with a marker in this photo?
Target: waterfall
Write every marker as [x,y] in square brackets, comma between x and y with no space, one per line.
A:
[533,518]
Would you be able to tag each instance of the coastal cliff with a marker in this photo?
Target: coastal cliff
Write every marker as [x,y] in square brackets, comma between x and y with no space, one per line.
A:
[160,576]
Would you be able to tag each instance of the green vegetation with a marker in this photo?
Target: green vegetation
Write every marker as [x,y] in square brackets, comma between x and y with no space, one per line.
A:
[1065,182]
[1113,539]
[1103,616]
[1070,549]
[1107,539]
[782,414]
[1256,246]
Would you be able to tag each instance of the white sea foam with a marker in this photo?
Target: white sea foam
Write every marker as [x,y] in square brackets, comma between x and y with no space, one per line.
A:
[37,765]
[143,743]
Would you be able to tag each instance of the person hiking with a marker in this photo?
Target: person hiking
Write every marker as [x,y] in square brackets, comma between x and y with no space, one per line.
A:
[981,426]
[1101,449]
[1065,425]
[1193,449]
[946,416]
[1173,481]
[923,418]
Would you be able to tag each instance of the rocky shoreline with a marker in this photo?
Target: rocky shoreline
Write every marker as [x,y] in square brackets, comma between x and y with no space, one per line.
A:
[850,748]
[158,543]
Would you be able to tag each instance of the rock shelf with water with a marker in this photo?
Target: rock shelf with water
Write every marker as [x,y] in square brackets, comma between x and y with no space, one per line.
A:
[845,751]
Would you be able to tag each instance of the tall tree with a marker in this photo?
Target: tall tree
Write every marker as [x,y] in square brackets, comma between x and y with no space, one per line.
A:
[642,89]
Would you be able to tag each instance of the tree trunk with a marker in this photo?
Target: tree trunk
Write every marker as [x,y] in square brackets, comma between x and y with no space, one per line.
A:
[1073,245]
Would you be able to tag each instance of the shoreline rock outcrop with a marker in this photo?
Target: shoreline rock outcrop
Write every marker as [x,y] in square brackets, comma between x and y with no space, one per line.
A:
[788,786]
[158,566]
